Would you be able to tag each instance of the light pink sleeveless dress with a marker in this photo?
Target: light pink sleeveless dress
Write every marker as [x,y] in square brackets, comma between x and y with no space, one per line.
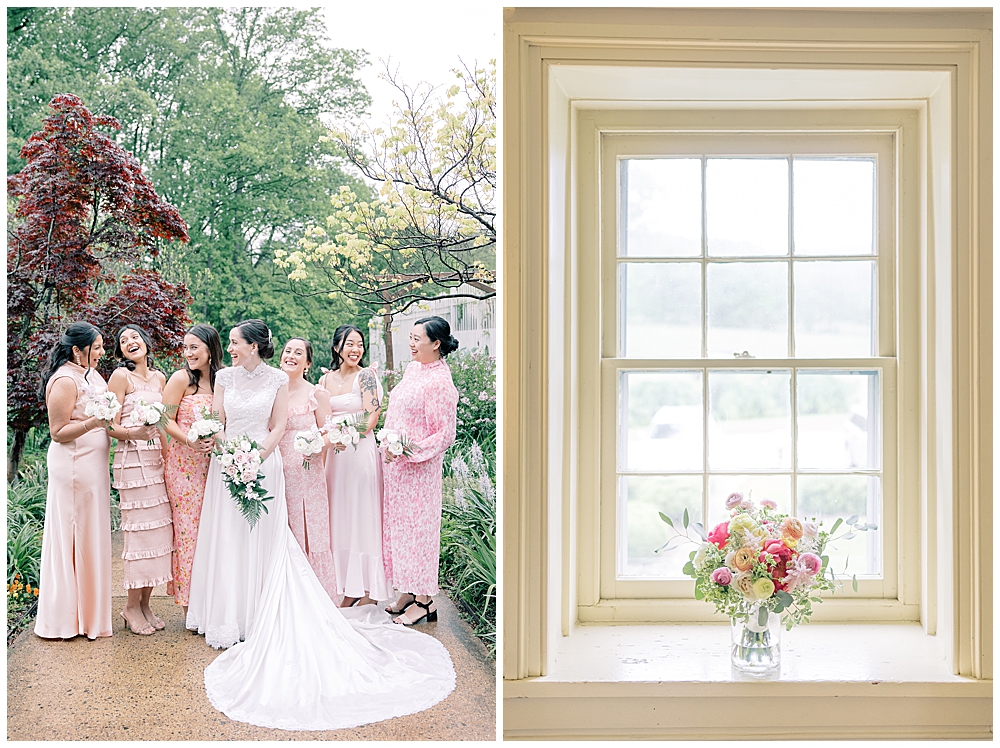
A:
[305,497]
[74,594]
[185,472]
[147,525]
[354,482]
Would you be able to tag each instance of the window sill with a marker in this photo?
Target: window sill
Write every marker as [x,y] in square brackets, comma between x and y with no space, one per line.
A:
[676,681]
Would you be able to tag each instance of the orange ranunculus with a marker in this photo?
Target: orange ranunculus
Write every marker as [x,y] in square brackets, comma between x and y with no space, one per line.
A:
[743,559]
[792,528]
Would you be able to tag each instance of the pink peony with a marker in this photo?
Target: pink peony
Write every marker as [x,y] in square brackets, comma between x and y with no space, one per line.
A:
[811,562]
[719,535]
[722,576]
[734,500]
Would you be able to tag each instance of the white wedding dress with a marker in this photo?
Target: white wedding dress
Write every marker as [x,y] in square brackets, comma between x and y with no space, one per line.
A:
[295,661]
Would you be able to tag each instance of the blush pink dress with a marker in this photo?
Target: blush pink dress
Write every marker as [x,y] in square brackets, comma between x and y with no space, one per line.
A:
[75,586]
[354,482]
[147,525]
[305,497]
[185,472]
[423,406]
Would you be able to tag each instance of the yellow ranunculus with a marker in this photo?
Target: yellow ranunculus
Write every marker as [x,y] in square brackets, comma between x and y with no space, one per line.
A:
[763,588]
[742,523]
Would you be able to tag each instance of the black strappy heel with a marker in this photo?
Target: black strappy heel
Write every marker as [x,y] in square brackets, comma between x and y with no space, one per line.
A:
[429,616]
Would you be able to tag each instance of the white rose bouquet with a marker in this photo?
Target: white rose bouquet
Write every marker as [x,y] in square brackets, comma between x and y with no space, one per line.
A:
[307,444]
[240,461]
[344,429]
[149,414]
[395,442]
[208,425]
[104,406]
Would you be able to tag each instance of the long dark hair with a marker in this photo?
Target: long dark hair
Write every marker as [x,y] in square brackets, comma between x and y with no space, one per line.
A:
[437,328]
[120,354]
[79,334]
[210,337]
[337,345]
[255,331]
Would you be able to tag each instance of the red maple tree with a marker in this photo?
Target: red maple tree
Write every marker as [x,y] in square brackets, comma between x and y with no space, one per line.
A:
[86,227]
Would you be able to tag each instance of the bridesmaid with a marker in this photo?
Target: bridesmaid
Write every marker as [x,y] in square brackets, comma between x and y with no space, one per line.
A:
[147,528]
[354,476]
[423,406]
[186,463]
[75,584]
[305,490]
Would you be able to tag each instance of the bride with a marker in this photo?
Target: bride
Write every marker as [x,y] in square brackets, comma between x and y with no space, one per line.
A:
[295,660]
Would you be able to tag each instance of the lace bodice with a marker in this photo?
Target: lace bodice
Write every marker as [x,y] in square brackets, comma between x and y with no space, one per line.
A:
[248,399]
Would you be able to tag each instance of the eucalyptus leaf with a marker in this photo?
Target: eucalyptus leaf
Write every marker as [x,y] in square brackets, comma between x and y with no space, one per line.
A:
[666,519]
[685,518]
[689,568]
[852,519]
[700,530]
[854,582]
[762,616]
[784,598]
[848,536]
[835,526]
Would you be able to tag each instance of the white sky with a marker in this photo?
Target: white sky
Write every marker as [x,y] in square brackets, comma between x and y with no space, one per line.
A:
[425,39]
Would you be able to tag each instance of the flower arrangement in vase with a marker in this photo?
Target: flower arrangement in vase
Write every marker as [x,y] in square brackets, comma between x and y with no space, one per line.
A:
[759,566]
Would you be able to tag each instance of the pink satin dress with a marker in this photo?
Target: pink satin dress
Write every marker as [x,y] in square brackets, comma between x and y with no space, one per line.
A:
[75,585]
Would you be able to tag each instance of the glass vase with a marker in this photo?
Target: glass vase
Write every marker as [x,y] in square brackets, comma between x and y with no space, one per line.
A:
[757,648]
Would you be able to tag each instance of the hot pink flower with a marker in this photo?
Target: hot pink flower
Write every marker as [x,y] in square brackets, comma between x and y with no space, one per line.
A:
[719,535]
[811,562]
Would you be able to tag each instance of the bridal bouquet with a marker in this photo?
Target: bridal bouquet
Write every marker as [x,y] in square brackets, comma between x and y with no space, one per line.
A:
[208,425]
[395,442]
[104,405]
[240,461]
[149,414]
[344,429]
[762,561]
[308,443]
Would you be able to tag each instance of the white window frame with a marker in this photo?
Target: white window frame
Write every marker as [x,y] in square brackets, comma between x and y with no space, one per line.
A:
[622,133]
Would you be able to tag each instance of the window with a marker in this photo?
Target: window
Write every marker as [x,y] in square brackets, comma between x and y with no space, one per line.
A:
[749,340]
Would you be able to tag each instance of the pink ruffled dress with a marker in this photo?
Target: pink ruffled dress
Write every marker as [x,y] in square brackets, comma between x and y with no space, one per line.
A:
[305,497]
[147,523]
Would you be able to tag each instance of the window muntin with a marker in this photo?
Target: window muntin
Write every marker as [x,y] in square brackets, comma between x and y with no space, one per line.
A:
[689,297]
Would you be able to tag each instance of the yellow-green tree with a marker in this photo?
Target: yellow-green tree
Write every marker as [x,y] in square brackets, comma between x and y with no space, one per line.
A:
[427,228]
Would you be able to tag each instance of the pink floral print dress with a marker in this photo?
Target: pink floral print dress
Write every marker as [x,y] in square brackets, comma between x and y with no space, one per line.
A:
[185,472]
[423,406]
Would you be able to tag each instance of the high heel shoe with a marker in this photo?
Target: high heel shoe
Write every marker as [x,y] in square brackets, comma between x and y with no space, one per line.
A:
[397,611]
[429,616]
[128,627]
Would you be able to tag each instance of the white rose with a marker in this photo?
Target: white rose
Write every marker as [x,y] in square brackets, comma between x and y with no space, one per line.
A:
[395,448]
[743,583]
[699,557]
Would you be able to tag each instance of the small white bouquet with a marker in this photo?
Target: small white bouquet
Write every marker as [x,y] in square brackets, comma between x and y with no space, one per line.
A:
[149,414]
[344,429]
[395,442]
[240,461]
[208,425]
[104,406]
[308,443]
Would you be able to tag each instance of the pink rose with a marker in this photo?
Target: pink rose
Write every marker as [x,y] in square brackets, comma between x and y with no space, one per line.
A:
[746,504]
[722,576]
[769,503]
[811,562]
[734,500]
[810,529]
[719,535]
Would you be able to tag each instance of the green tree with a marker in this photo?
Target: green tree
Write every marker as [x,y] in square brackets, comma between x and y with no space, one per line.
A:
[429,231]
[223,108]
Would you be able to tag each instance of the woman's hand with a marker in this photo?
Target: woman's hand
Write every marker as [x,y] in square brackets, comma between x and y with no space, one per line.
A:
[142,433]
[203,445]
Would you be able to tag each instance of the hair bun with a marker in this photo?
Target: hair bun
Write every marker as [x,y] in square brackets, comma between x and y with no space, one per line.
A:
[449,345]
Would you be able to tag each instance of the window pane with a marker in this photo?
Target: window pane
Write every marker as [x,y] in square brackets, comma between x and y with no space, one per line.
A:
[748,309]
[663,214]
[749,420]
[643,499]
[834,309]
[838,415]
[829,497]
[662,309]
[664,428]
[747,206]
[778,488]
[834,206]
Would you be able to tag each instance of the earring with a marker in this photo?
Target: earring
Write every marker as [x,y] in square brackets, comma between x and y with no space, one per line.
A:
[77,359]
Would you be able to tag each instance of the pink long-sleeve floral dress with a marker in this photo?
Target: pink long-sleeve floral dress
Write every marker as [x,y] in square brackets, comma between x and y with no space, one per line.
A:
[423,406]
